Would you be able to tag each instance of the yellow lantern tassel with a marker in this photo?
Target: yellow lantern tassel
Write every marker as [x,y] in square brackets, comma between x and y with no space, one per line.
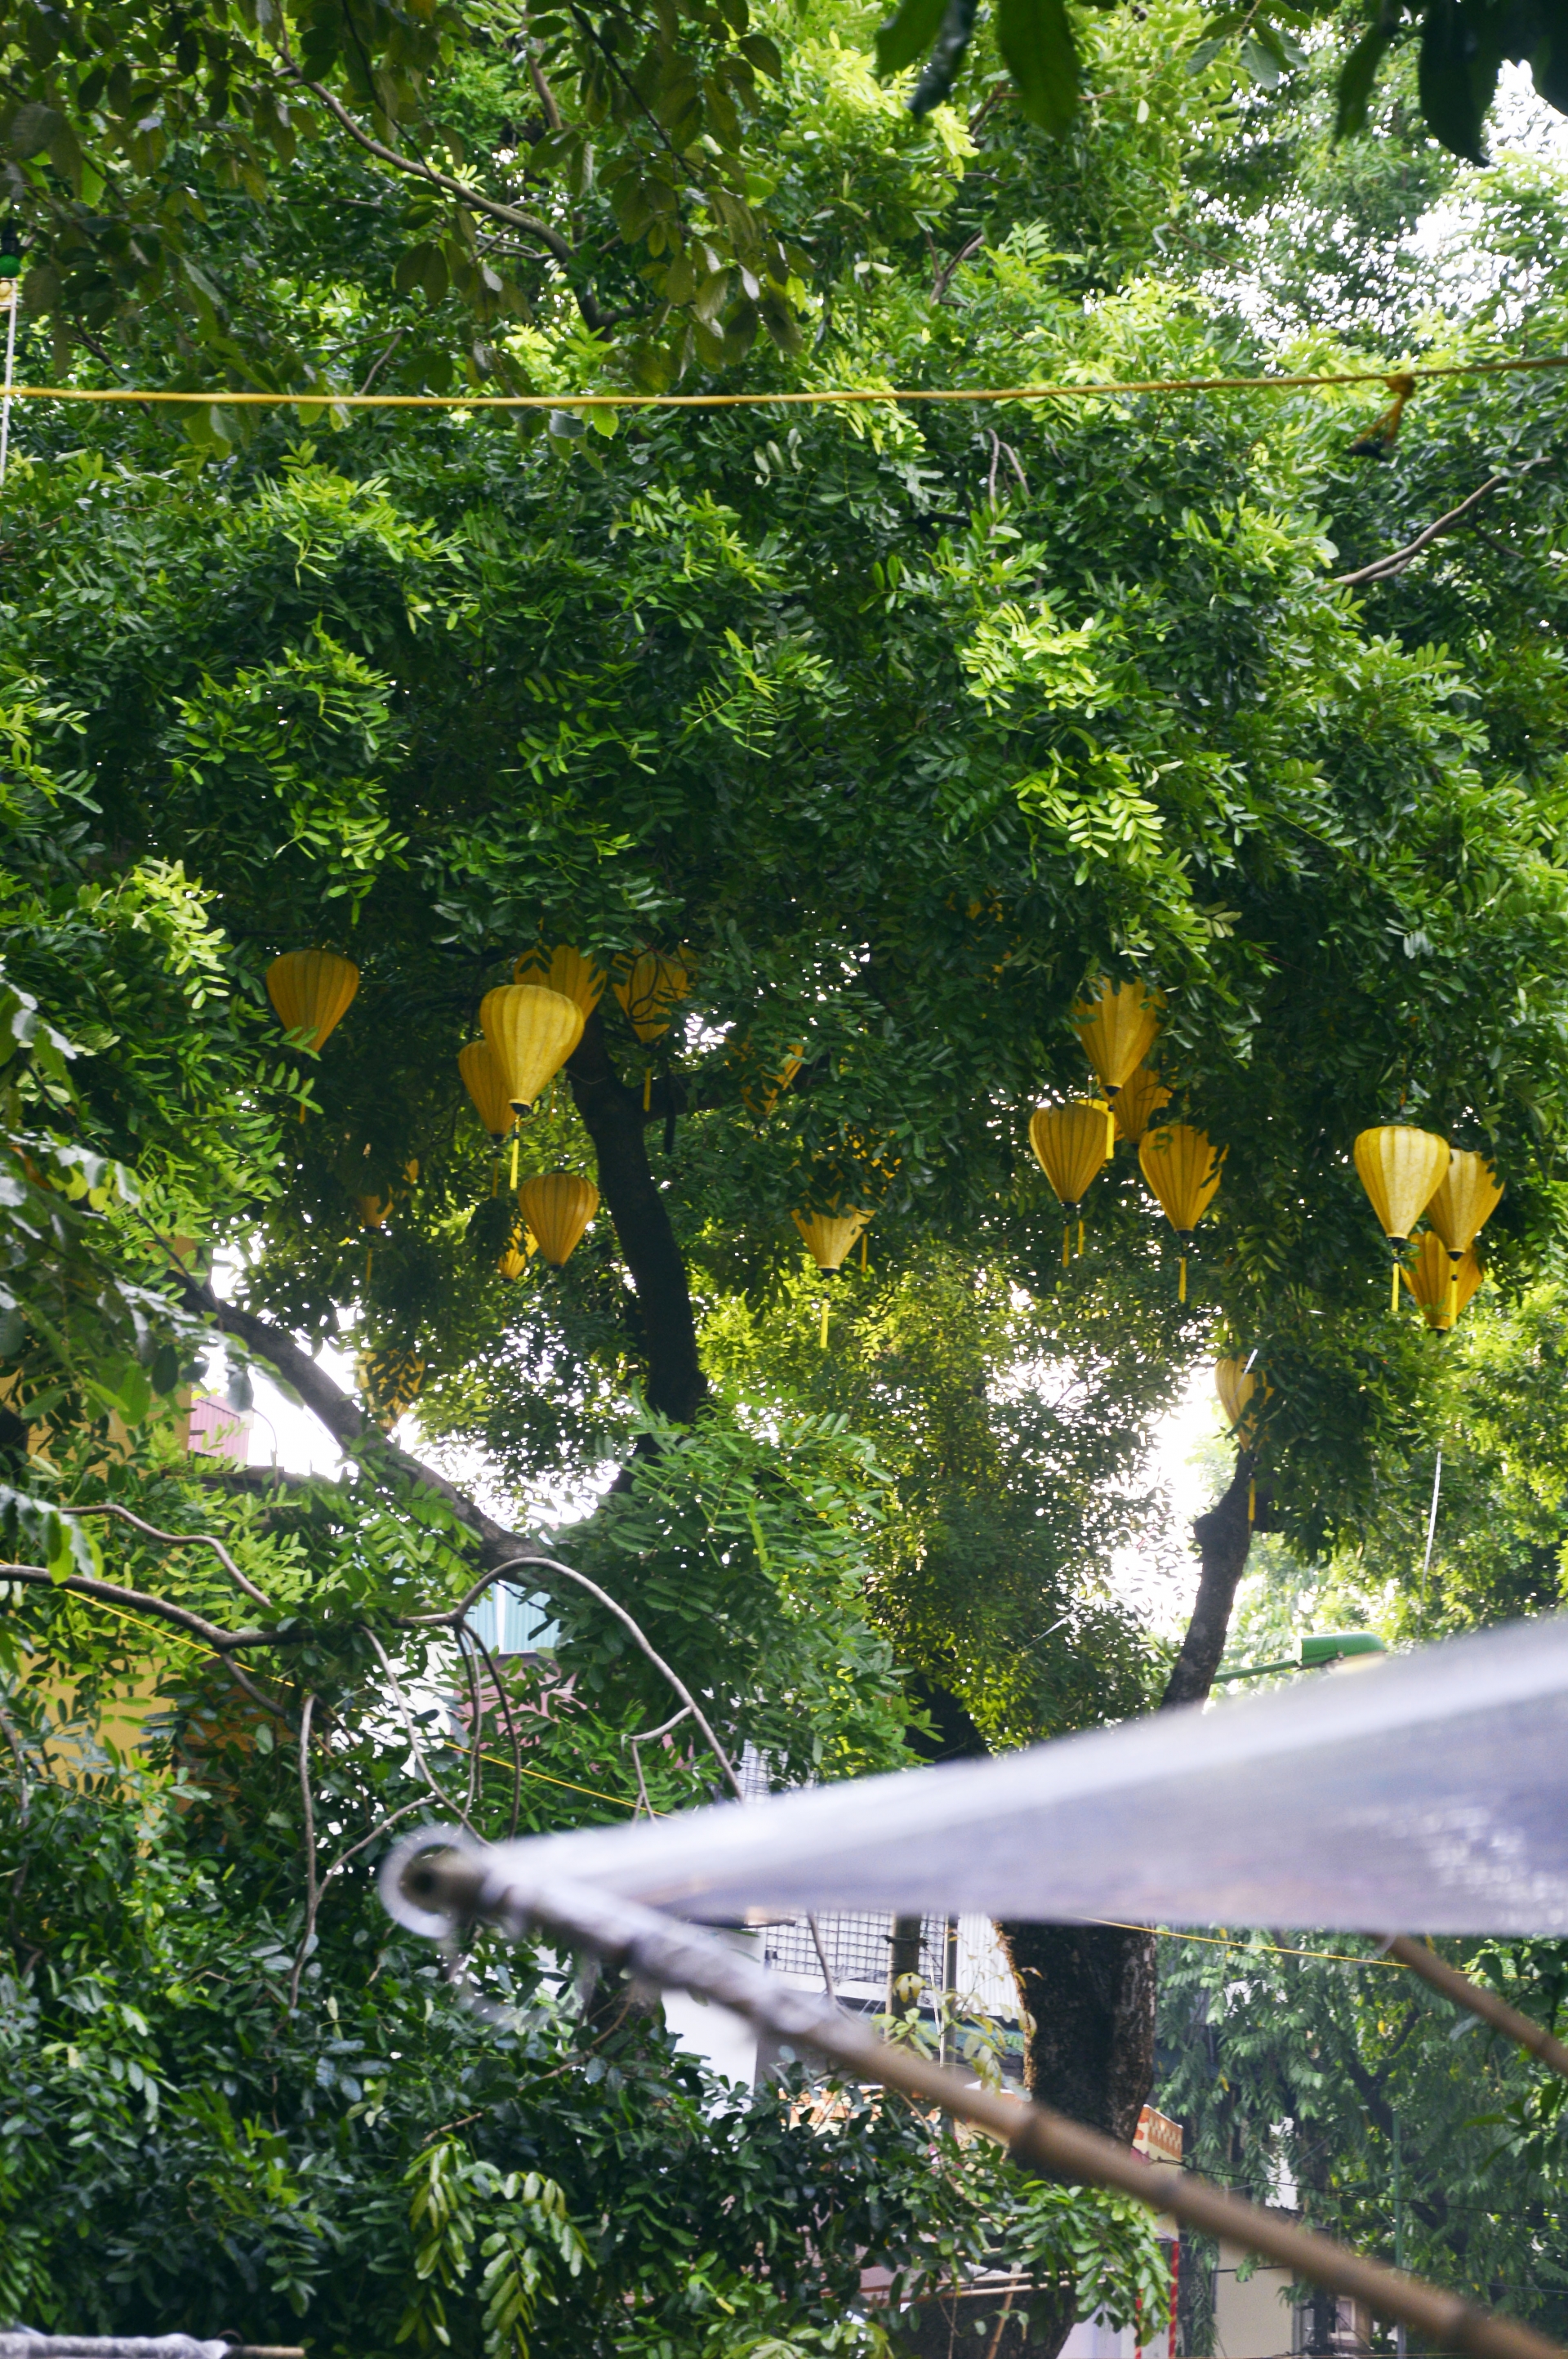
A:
[370,1256]
[865,1261]
[1182,1281]
[1080,1239]
[825,1322]
[1452,1290]
[1252,1503]
[1066,1242]
[514,1163]
[1394,1290]
[648,1090]
[301,1109]
[1109,1132]
[494,1173]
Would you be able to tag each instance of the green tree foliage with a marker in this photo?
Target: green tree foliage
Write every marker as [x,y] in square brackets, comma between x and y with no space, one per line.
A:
[1295,2076]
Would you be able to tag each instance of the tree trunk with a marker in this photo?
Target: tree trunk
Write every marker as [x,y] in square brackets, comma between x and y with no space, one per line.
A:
[614,1119]
[1091,1988]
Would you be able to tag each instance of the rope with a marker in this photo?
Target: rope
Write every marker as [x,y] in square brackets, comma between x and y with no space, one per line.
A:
[1246,1949]
[840,396]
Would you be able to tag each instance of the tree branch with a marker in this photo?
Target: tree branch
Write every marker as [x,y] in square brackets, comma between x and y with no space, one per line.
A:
[514,215]
[1382,568]
[613,1117]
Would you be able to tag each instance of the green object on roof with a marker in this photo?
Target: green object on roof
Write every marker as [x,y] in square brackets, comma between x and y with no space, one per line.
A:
[1312,1653]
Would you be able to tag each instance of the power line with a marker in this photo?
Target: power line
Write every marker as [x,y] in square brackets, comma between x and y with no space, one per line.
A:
[825,396]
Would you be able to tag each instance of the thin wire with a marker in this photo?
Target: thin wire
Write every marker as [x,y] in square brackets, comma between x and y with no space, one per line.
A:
[1088,390]
[1431,1525]
[1269,1949]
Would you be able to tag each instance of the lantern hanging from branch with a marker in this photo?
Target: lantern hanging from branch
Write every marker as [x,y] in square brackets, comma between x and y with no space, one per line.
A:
[1240,1385]
[1071,1143]
[372,1211]
[1464,1202]
[486,1085]
[761,1096]
[391,1379]
[1183,1168]
[312,991]
[558,1207]
[531,1032]
[1117,1028]
[1441,1286]
[648,987]
[563,969]
[518,1253]
[1137,1103]
[829,1239]
[1401,1170]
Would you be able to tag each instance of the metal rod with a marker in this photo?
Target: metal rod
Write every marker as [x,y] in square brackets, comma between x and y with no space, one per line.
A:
[437,1889]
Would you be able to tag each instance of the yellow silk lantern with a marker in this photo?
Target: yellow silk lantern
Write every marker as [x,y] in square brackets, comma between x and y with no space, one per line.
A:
[828,1238]
[648,987]
[372,1210]
[530,1032]
[1183,1170]
[1137,1103]
[1239,1386]
[312,991]
[486,1085]
[558,1207]
[761,1096]
[563,969]
[1118,1029]
[1460,1209]
[1442,1285]
[391,1379]
[1401,1170]
[1071,1143]
[515,1259]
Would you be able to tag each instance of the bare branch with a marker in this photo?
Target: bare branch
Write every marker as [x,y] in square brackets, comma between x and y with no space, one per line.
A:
[313,1890]
[178,1539]
[553,1564]
[1382,568]
[512,1729]
[551,239]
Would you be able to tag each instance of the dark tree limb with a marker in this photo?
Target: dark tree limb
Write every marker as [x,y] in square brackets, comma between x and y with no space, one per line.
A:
[1382,568]
[613,1117]
[1224,1537]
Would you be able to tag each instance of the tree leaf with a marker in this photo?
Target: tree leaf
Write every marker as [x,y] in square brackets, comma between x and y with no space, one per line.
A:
[1356,77]
[909,34]
[1458,76]
[1037,48]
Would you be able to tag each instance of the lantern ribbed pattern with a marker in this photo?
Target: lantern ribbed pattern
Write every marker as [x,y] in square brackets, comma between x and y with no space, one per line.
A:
[1118,1029]
[1183,1170]
[1238,1386]
[760,1097]
[558,1207]
[1401,1170]
[647,988]
[312,991]
[563,969]
[1071,1143]
[1138,1101]
[514,1260]
[486,1084]
[1440,1282]
[1465,1201]
[830,1236]
[530,1033]
[391,1380]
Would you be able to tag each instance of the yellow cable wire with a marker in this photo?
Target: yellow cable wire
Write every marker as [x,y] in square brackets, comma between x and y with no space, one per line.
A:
[1271,1949]
[224,399]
